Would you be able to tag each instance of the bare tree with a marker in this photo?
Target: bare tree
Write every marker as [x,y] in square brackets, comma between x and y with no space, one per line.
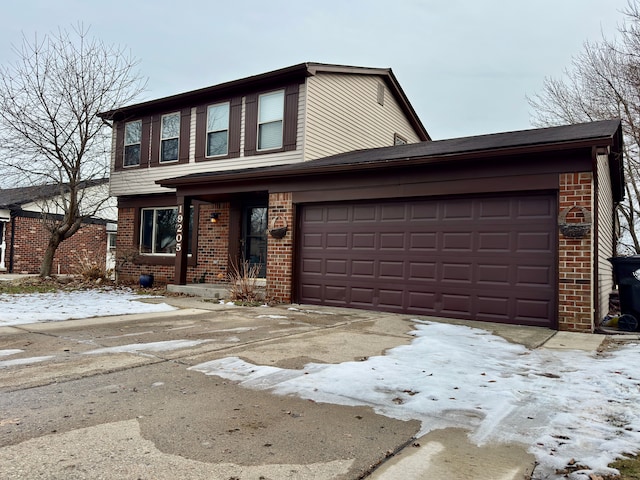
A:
[603,82]
[49,130]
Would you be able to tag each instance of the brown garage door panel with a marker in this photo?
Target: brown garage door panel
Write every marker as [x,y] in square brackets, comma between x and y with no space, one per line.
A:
[487,259]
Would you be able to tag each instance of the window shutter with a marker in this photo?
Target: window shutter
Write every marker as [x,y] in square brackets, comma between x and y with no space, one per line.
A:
[119,157]
[234,127]
[251,124]
[201,132]
[185,141]
[291,117]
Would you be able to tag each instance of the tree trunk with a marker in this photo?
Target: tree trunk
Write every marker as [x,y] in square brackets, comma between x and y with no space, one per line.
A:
[47,261]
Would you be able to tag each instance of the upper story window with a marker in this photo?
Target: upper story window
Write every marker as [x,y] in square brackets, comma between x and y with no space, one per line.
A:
[132,141]
[270,120]
[169,137]
[218,130]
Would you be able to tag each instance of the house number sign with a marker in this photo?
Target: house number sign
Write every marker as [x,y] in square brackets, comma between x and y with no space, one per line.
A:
[179,229]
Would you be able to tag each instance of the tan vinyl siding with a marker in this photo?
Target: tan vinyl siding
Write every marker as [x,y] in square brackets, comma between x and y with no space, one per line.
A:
[606,242]
[142,181]
[343,114]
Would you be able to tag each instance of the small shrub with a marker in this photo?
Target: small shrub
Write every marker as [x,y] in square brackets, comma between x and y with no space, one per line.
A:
[244,283]
[91,271]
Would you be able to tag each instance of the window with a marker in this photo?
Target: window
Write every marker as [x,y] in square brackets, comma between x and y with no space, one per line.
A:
[217,130]
[169,137]
[270,120]
[132,139]
[158,230]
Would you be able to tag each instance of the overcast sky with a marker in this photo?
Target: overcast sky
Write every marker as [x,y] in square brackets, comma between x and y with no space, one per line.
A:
[466,65]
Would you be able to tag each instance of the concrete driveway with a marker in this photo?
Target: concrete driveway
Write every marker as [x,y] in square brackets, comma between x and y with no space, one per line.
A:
[74,403]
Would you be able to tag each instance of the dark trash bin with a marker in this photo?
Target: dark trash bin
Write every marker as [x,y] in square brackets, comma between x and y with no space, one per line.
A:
[626,273]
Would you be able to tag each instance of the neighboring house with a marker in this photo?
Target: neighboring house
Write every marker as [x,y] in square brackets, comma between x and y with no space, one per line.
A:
[24,237]
[513,227]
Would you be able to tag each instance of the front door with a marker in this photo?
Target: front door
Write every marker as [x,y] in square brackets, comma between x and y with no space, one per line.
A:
[255,238]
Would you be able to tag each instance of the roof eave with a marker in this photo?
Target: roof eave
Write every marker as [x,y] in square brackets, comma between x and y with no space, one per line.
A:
[282,172]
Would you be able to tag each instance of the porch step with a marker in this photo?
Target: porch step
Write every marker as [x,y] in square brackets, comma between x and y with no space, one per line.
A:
[205,290]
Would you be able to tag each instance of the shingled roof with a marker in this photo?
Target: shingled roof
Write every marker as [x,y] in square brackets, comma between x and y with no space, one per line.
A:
[16,197]
[606,133]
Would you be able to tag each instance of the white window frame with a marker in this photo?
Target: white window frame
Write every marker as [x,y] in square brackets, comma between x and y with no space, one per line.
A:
[207,132]
[139,143]
[164,139]
[270,121]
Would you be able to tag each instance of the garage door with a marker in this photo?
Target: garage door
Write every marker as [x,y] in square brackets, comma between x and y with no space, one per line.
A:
[478,258]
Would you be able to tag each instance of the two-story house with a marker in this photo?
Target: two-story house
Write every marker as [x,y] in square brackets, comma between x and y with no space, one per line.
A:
[323,177]
[287,116]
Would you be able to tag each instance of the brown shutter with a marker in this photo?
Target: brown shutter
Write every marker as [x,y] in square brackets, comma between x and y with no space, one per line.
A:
[251,124]
[185,127]
[290,117]
[201,132]
[144,145]
[235,117]
[119,146]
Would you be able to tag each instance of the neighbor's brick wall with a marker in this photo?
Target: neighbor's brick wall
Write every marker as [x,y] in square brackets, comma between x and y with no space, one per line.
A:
[575,275]
[280,251]
[212,249]
[88,246]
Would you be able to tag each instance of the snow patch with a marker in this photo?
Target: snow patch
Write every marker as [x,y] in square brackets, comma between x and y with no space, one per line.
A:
[563,404]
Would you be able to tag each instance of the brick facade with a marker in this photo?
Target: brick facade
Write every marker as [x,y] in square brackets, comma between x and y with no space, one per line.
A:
[575,256]
[26,248]
[280,250]
[575,270]
[212,249]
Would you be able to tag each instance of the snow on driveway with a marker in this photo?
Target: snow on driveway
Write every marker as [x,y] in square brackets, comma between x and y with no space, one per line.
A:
[563,405]
[50,307]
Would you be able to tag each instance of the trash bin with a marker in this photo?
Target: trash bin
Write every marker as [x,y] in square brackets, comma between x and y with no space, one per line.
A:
[626,273]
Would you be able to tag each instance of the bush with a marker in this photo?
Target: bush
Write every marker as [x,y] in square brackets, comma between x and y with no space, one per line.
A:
[244,283]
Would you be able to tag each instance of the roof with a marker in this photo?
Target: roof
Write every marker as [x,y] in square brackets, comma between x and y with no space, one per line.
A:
[606,133]
[15,197]
[269,79]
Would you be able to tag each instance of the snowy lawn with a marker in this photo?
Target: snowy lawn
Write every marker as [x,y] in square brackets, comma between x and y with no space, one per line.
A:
[47,307]
[563,405]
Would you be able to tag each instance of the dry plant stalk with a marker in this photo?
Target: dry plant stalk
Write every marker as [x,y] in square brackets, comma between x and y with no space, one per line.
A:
[244,282]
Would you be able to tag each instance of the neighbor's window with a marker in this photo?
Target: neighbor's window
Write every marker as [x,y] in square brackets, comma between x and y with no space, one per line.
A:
[218,130]
[158,230]
[132,139]
[270,120]
[169,137]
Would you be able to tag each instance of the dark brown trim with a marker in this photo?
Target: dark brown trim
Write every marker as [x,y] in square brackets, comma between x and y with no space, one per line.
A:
[267,81]
[290,127]
[154,159]
[250,124]
[144,144]
[235,119]
[119,147]
[185,134]
[437,188]
[153,202]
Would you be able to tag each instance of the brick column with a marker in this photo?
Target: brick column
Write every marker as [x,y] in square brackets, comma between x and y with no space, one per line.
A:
[575,256]
[280,250]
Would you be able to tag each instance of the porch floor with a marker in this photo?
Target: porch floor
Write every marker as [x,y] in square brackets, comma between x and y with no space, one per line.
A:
[206,290]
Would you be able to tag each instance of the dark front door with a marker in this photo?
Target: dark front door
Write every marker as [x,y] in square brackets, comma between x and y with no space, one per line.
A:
[255,238]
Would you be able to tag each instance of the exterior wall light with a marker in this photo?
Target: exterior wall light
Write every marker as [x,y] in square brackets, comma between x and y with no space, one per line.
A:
[215,217]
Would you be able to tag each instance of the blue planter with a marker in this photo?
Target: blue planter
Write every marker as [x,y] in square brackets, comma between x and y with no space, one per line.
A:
[146,280]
